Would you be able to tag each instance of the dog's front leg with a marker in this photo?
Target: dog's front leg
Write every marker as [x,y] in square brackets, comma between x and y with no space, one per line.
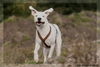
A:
[45,52]
[51,51]
[37,46]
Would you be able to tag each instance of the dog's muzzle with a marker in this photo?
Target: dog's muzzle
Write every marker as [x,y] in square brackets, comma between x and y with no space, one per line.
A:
[39,22]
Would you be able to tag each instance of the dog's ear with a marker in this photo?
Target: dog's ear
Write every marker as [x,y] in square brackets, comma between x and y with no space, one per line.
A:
[32,9]
[48,11]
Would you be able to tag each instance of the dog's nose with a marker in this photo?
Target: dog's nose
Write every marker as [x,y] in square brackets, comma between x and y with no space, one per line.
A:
[39,19]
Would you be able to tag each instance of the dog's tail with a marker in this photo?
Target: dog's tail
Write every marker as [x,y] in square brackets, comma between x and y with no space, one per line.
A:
[58,40]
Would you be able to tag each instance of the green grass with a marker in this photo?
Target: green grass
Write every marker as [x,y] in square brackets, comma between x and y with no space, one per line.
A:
[64,52]
[61,60]
[79,18]
[33,62]
[10,19]
[25,38]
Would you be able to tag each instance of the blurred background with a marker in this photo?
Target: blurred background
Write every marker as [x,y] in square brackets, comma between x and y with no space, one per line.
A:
[77,20]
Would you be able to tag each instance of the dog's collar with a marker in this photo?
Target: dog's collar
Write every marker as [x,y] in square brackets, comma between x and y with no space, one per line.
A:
[44,39]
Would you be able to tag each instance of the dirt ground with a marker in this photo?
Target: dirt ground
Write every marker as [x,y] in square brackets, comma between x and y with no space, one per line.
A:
[78,33]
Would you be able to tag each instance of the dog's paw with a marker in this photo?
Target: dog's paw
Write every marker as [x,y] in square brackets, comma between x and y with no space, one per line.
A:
[36,60]
[45,62]
[50,60]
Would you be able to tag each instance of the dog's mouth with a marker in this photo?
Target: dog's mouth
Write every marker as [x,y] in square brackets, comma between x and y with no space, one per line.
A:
[39,23]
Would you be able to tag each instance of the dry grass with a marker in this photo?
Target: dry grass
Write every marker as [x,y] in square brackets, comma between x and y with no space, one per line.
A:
[78,33]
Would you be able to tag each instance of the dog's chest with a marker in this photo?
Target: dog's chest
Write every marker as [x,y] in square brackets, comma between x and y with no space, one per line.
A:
[51,38]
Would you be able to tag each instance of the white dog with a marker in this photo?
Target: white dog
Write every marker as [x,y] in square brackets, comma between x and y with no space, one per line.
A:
[47,35]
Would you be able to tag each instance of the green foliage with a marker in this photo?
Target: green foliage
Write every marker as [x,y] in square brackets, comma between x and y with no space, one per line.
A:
[1,12]
[18,9]
[22,9]
[10,19]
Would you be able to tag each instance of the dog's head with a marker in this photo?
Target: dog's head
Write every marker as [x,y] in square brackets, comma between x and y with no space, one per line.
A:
[40,18]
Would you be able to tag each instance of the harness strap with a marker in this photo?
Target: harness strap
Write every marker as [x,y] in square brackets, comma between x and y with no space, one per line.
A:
[44,39]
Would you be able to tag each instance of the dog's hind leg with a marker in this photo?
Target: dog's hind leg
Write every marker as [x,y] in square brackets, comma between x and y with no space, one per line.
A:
[58,45]
[58,40]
